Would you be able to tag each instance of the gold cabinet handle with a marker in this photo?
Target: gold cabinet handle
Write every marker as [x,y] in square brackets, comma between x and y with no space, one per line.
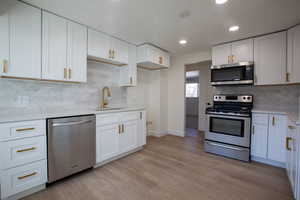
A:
[123,128]
[113,54]
[141,115]
[5,66]
[233,58]
[26,176]
[131,81]
[65,73]
[110,54]
[24,150]
[70,73]
[287,77]
[160,60]
[291,127]
[120,129]
[25,129]
[287,143]
[229,59]
[253,130]
[273,121]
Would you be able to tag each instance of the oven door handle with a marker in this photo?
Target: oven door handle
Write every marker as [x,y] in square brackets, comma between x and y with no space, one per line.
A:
[227,147]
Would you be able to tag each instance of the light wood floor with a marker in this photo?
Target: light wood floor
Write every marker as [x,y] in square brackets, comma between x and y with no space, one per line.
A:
[173,168]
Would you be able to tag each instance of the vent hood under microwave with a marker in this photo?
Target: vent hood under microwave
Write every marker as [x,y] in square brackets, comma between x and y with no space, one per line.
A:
[241,73]
[151,57]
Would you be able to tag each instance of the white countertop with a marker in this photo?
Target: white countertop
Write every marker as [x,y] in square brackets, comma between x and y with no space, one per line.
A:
[62,113]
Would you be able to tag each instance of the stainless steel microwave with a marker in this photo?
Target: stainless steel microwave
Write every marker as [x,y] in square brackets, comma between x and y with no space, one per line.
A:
[233,74]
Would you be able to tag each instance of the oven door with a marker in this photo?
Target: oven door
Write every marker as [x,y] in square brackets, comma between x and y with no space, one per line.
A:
[229,130]
[232,75]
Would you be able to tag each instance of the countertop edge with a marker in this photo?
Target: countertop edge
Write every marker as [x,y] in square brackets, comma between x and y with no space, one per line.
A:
[32,117]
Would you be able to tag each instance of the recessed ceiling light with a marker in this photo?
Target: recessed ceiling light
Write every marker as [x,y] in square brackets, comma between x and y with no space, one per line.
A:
[182,42]
[234,28]
[221,1]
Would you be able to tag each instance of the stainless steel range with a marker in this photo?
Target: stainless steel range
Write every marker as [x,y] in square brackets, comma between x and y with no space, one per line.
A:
[229,126]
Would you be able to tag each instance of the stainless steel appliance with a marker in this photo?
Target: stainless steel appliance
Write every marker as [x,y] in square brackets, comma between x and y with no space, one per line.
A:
[71,145]
[229,126]
[233,74]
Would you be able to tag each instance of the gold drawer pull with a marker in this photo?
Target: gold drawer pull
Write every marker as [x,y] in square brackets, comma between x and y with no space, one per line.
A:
[25,129]
[292,127]
[26,176]
[287,142]
[131,81]
[65,73]
[24,150]
[123,128]
[120,129]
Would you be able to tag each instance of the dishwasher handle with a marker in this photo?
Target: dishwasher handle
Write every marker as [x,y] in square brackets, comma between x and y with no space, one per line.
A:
[71,123]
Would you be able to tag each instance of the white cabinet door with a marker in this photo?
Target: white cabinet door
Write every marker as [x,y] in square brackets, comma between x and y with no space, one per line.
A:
[270,59]
[4,41]
[107,142]
[120,51]
[259,140]
[24,41]
[98,45]
[221,54]
[289,160]
[277,138]
[54,47]
[242,51]
[293,55]
[128,74]
[77,52]
[128,136]
[142,129]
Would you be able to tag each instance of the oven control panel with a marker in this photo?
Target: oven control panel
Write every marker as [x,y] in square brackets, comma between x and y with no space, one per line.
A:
[234,98]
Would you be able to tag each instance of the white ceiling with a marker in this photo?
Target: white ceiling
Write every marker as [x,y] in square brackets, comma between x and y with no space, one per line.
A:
[159,21]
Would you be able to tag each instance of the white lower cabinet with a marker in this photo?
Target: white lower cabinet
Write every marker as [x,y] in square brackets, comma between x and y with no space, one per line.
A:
[119,133]
[25,177]
[268,138]
[23,157]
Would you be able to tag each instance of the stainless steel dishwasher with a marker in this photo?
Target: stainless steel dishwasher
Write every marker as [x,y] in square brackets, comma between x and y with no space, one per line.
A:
[71,145]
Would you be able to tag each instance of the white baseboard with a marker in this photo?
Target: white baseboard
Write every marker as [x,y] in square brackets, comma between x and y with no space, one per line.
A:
[268,162]
[176,133]
[156,133]
[26,193]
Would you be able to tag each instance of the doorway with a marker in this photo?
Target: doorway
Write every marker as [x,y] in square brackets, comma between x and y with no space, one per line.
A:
[198,95]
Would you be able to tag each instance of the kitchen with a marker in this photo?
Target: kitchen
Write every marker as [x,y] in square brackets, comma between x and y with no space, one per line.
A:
[96,111]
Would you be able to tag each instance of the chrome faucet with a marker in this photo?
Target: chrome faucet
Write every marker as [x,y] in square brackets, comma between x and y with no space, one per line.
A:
[105,91]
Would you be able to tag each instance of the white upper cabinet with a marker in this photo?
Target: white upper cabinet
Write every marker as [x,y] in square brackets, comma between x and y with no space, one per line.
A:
[240,51]
[77,52]
[20,50]
[54,65]
[270,53]
[150,57]
[221,54]
[293,69]
[128,74]
[102,47]
[4,41]
[98,45]
[64,49]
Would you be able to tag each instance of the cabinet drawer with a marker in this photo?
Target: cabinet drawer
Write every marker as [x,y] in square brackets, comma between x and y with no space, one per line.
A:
[22,151]
[23,129]
[107,119]
[22,178]
[130,116]
[260,119]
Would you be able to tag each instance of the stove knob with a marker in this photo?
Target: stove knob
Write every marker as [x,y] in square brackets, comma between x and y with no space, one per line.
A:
[249,98]
[244,98]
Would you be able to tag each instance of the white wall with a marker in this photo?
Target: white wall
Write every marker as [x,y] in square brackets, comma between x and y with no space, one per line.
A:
[176,97]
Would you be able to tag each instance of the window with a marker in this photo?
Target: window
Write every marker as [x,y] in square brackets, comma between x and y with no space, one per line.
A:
[191,90]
